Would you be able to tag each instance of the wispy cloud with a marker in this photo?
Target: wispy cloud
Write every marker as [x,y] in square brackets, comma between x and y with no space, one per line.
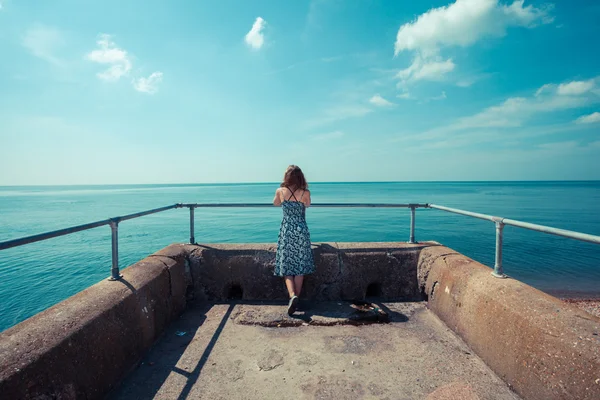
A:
[589,119]
[331,59]
[338,113]
[429,70]
[470,80]
[515,113]
[255,37]
[379,101]
[150,84]
[328,136]
[442,96]
[43,42]
[405,95]
[117,59]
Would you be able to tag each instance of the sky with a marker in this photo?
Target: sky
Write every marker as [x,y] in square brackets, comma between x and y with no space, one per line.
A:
[126,92]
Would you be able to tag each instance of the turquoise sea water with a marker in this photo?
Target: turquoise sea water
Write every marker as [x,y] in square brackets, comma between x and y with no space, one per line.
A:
[39,275]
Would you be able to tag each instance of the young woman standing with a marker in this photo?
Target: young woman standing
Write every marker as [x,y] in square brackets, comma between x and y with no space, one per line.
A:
[294,257]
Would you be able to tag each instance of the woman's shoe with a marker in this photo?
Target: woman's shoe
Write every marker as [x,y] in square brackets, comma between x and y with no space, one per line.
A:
[292,305]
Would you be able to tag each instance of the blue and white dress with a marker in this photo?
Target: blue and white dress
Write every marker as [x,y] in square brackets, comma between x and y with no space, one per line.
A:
[294,253]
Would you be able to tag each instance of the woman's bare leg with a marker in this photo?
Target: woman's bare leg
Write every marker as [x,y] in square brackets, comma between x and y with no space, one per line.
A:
[298,279]
[289,283]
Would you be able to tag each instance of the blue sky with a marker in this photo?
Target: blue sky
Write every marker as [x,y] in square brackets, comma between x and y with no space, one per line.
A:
[354,90]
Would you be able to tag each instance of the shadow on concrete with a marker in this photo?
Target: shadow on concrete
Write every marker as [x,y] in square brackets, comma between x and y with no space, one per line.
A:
[331,313]
[192,377]
[348,313]
[161,361]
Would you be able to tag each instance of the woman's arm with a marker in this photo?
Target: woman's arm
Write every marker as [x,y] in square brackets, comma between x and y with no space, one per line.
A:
[306,198]
[277,199]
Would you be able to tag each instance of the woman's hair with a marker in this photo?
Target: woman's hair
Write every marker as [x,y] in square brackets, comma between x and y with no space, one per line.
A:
[294,178]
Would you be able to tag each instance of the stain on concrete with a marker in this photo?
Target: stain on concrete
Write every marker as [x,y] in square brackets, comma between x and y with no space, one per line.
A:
[349,344]
[334,388]
[454,391]
[270,361]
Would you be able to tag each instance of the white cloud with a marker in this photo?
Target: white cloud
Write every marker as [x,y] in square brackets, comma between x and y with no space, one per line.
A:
[406,95]
[255,38]
[589,119]
[426,70]
[575,88]
[462,24]
[43,42]
[465,22]
[116,58]
[119,64]
[379,101]
[150,84]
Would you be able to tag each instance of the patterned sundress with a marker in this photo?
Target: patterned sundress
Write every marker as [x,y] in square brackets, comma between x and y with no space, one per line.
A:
[294,254]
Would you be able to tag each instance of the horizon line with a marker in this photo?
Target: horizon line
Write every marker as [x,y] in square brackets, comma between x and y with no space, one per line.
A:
[313,182]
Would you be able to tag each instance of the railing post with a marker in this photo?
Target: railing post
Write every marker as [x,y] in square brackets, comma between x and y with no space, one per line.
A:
[114,272]
[498,271]
[412,224]
[192,239]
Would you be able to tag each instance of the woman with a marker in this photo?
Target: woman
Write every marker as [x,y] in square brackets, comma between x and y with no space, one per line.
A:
[294,257]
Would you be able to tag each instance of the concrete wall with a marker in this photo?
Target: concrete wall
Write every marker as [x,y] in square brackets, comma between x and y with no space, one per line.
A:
[541,346]
[83,346]
[344,271]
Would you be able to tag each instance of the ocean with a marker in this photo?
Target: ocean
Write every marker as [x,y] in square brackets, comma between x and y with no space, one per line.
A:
[36,276]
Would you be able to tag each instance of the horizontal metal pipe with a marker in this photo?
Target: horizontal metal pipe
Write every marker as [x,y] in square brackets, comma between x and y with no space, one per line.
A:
[142,213]
[463,212]
[554,231]
[61,232]
[526,225]
[329,205]
[50,235]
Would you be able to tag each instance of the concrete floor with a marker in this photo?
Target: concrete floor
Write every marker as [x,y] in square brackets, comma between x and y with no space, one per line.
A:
[244,351]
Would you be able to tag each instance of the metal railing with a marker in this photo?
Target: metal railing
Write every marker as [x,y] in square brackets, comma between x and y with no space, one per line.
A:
[114,226]
[500,222]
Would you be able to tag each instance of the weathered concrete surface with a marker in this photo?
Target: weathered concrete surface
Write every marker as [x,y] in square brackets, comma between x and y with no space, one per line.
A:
[83,346]
[343,271]
[543,347]
[219,358]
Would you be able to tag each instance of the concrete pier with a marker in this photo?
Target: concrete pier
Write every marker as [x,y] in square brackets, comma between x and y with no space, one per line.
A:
[439,305]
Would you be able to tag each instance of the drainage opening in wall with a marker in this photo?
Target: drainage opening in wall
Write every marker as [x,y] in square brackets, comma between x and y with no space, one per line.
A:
[373,290]
[235,292]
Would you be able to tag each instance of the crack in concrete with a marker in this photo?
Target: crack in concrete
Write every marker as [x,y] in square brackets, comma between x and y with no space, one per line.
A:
[340,260]
[169,304]
[433,289]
